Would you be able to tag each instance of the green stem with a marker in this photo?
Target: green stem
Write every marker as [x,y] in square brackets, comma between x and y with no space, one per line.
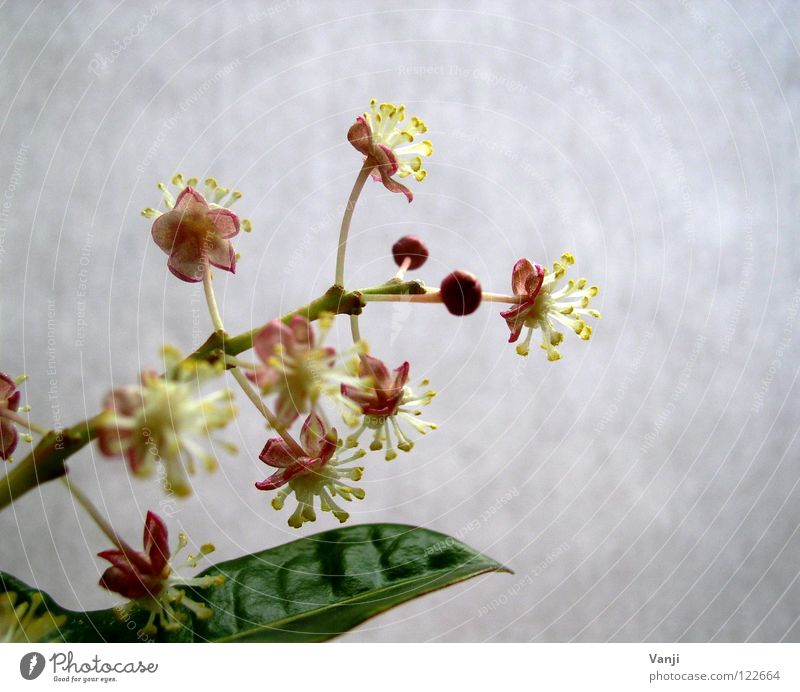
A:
[46,460]
[363,174]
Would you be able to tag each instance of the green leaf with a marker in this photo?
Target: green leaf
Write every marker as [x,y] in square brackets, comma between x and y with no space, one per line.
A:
[306,591]
[318,587]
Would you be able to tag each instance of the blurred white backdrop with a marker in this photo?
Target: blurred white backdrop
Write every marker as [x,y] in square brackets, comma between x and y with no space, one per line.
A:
[644,488]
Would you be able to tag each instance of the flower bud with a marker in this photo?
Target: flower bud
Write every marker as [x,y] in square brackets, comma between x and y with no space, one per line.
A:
[461,292]
[412,248]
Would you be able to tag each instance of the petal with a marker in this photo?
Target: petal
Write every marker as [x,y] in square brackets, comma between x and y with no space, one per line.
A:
[520,275]
[264,377]
[190,197]
[329,444]
[312,435]
[376,369]
[225,221]
[131,561]
[287,407]
[221,255]
[303,333]
[276,453]
[7,387]
[9,437]
[186,268]
[113,441]
[124,401]
[164,229]
[401,375]
[360,136]
[273,333]
[130,584]
[393,186]
[365,399]
[156,543]
[276,480]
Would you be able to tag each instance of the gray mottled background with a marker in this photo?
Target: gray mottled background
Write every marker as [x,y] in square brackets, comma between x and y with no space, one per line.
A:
[643,488]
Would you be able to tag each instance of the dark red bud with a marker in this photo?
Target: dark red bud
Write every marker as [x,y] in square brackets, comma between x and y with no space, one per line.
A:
[461,292]
[411,247]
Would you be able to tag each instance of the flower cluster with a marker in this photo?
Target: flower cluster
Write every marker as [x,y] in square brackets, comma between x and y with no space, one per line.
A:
[147,578]
[159,420]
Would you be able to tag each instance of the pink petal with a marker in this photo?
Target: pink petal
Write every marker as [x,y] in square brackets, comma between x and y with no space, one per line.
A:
[130,561]
[221,255]
[329,443]
[7,387]
[190,197]
[130,584]
[9,437]
[312,435]
[272,334]
[164,229]
[360,397]
[186,268]
[264,377]
[515,319]
[401,376]
[113,441]
[156,542]
[360,136]
[276,480]
[276,453]
[225,221]
[287,409]
[520,276]
[376,369]
[303,333]
[125,401]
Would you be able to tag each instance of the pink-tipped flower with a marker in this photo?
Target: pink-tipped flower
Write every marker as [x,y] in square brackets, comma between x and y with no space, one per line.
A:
[158,422]
[148,580]
[388,145]
[318,472]
[297,367]
[543,304]
[461,293]
[196,232]
[9,401]
[381,406]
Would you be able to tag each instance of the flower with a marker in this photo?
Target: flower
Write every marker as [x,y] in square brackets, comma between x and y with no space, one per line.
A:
[461,292]
[148,580]
[318,472]
[299,370]
[21,621]
[157,421]
[9,401]
[383,403]
[410,249]
[196,232]
[388,149]
[542,304]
